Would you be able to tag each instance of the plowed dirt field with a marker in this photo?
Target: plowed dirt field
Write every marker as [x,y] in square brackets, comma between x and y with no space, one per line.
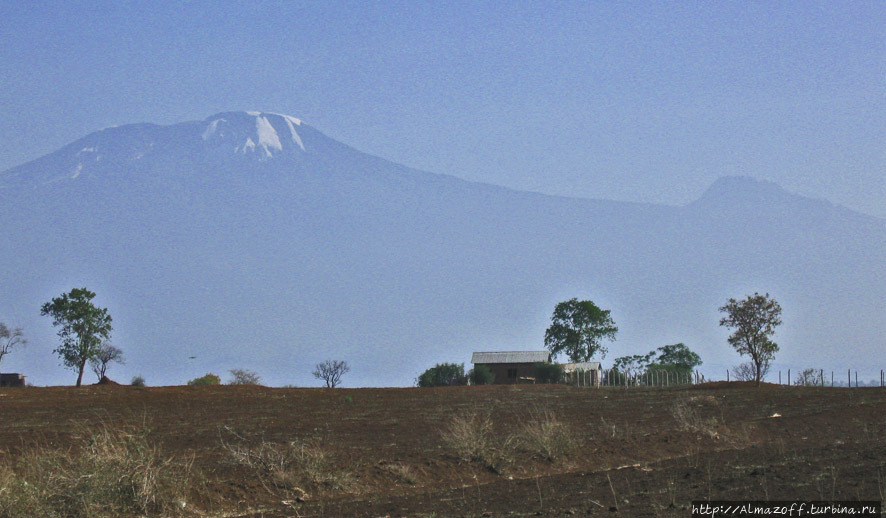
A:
[540,450]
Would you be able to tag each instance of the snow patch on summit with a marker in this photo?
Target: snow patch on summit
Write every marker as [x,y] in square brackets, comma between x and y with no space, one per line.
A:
[213,127]
[267,136]
[292,122]
[267,133]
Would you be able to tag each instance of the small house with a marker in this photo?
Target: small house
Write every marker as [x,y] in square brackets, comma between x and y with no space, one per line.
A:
[511,366]
[12,380]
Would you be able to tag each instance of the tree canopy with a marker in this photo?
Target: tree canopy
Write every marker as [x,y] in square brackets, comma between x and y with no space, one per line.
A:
[331,371]
[82,327]
[675,357]
[754,320]
[578,328]
[106,355]
[443,375]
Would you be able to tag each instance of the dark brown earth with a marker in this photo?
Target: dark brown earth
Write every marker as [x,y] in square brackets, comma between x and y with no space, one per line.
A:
[634,455]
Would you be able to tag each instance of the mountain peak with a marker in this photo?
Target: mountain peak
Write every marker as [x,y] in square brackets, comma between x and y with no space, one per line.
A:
[743,189]
[262,134]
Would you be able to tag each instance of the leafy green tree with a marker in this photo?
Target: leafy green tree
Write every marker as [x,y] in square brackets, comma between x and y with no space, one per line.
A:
[632,366]
[82,327]
[754,321]
[443,375]
[578,328]
[675,358]
[208,379]
[10,339]
[481,375]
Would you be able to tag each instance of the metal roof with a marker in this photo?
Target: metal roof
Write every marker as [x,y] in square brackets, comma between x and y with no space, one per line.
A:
[581,366]
[511,357]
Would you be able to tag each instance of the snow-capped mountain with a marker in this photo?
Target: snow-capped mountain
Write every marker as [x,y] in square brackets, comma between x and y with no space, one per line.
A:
[252,240]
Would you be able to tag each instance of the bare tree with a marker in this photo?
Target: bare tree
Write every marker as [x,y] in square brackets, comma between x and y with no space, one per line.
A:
[331,372]
[810,378]
[244,377]
[10,339]
[748,371]
[106,355]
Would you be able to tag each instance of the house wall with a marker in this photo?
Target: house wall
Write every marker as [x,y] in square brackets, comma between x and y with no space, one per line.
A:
[518,370]
[12,380]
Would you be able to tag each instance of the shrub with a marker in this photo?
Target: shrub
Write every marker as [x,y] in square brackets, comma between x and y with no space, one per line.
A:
[283,467]
[113,472]
[810,378]
[748,372]
[443,375]
[548,372]
[481,375]
[208,379]
[688,419]
[137,381]
[243,377]
[471,438]
[547,436]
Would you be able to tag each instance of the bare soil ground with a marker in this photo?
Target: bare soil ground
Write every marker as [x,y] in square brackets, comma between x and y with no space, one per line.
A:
[384,452]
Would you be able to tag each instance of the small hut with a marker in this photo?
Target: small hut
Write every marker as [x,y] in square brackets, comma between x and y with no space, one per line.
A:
[511,366]
[12,379]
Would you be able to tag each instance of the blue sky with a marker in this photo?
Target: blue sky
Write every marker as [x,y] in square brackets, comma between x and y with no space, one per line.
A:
[646,101]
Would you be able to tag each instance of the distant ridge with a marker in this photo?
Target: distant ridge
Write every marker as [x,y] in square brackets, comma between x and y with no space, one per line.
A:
[252,240]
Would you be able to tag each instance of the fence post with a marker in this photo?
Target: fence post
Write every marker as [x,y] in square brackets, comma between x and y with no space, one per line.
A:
[849,377]
[856,379]
[727,375]
[789,377]
[822,377]
[832,379]
[779,377]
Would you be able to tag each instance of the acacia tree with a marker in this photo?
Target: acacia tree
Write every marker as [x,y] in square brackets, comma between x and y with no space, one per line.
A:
[578,328]
[754,320]
[331,372]
[106,355]
[82,327]
[10,339]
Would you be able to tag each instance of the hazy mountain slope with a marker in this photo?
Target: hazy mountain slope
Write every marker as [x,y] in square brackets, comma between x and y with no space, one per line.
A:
[252,240]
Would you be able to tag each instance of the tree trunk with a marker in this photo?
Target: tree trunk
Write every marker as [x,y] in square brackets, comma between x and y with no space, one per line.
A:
[757,365]
[80,374]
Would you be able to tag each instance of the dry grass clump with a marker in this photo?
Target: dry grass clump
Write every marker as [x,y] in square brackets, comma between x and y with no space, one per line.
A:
[471,438]
[688,419]
[401,472]
[546,435]
[112,472]
[286,467]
